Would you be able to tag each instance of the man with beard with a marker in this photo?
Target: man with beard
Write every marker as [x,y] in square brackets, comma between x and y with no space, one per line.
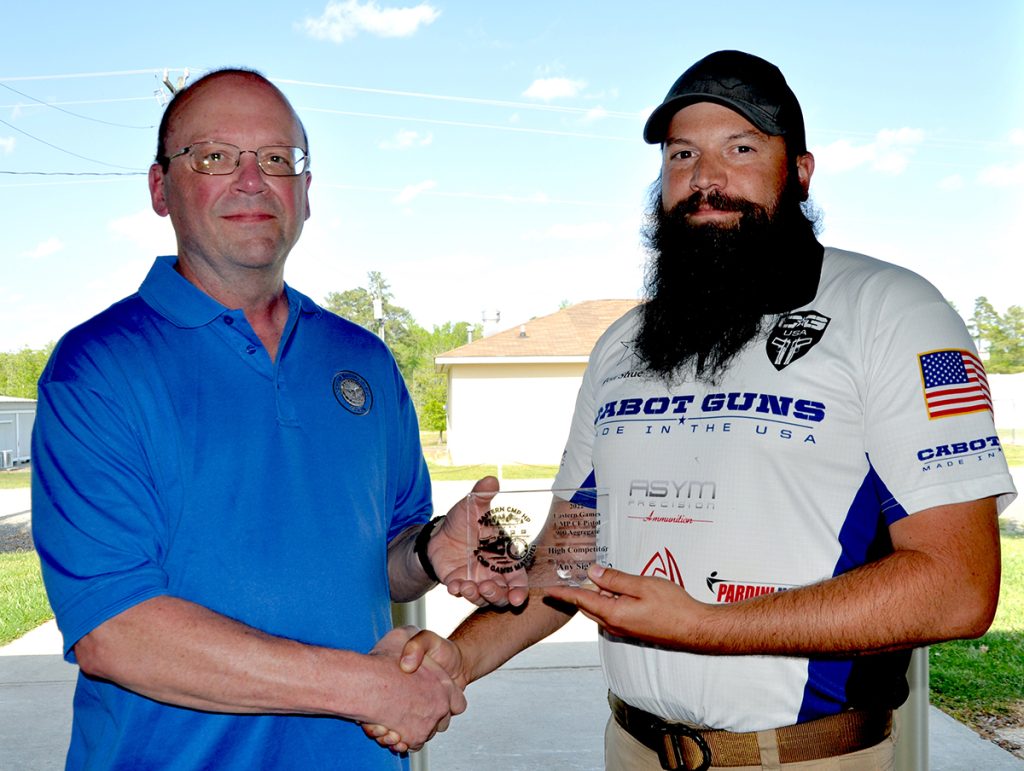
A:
[799,446]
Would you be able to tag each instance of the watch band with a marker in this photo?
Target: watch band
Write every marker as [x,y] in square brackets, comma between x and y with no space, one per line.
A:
[420,547]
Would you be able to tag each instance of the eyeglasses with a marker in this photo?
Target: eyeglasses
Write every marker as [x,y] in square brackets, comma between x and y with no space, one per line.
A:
[220,158]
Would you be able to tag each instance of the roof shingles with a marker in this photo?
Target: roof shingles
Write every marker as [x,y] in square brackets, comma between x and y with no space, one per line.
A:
[571,331]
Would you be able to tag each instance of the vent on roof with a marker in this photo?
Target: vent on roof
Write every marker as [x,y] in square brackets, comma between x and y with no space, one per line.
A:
[491,320]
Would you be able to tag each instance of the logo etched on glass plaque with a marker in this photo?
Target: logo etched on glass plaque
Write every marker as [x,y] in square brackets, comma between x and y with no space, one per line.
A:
[552,535]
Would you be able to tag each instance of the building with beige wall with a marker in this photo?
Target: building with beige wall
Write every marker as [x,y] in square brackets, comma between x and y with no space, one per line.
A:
[511,395]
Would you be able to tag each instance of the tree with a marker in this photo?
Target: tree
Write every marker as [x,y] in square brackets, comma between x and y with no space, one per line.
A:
[413,347]
[403,335]
[429,387]
[20,371]
[999,337]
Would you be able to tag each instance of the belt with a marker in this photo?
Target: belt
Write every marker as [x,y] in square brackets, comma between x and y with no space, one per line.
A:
[826,737]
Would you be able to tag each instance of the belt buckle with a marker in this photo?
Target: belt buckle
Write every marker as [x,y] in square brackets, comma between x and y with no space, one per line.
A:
[671,751]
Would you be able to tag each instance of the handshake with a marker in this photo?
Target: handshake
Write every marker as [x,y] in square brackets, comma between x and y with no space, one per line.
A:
[423,691]
[420,676]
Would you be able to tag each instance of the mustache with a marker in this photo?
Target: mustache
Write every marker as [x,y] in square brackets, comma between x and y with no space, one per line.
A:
[714,199]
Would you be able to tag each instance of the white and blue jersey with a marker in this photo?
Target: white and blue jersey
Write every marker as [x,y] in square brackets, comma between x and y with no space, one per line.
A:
[171,456]
[864,406]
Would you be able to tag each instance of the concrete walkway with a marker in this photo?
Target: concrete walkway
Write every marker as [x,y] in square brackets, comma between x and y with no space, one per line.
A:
[545,709]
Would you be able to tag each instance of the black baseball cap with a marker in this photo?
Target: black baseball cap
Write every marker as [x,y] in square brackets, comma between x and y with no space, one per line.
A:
[748,84]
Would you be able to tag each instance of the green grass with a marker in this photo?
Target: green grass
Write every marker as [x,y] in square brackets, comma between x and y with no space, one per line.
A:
[12,480]
[23,603]
[1014,454]
[443,473]
[976,679]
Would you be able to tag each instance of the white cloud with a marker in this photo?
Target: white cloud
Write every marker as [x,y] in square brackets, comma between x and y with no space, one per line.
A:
[342,21]
[7,144]
[951,183]
[45,248]
[404,139]
[595,114]
[841,156]
[547,89]
[1008,176]
[889,153]
[411,192]
[1002,176]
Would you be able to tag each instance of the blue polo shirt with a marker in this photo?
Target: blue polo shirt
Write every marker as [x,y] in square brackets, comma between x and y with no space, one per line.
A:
[172,457]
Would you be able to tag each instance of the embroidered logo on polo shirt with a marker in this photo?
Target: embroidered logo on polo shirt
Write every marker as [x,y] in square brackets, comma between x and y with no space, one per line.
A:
[794,335]
[352,392]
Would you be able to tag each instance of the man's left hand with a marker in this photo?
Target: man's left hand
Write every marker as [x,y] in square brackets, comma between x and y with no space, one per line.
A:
[451,553]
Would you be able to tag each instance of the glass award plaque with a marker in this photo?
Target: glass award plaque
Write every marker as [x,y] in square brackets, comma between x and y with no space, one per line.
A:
[539,537]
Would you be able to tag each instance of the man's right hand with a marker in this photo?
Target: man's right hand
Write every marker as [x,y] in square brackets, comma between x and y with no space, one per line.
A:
[421,697]
[424,651]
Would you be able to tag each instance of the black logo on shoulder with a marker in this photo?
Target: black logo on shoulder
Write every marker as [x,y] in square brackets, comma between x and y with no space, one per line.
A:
[352,392]
[793,336]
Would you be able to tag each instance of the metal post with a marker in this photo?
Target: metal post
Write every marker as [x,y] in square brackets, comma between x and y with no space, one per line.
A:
[378,315]
[912,742]
[414,613]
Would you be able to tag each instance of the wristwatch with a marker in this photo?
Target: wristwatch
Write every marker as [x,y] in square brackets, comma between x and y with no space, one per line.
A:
[420,547]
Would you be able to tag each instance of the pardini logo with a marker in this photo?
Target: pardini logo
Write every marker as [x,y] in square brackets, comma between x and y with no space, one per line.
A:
[730,590]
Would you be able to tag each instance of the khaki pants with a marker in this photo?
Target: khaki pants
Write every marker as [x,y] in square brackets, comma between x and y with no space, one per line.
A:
[624,753]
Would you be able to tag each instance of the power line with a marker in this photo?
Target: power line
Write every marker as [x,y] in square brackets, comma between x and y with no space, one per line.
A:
[61,149]
[154,71]
[68,112]
[467,99]
[85,101]
[357,89]
[76,173]
[466,124]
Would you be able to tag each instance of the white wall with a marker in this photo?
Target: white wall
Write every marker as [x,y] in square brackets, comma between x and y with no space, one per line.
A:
[510,413]
[520,413]
[1008,398]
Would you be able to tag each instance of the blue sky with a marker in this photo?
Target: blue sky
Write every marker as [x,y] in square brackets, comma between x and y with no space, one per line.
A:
[488,156]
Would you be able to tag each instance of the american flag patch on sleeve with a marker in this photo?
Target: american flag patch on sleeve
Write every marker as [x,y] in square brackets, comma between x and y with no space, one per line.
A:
[954,383]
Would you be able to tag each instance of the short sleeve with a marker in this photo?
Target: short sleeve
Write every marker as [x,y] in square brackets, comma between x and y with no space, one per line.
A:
[929,430]
[97,522]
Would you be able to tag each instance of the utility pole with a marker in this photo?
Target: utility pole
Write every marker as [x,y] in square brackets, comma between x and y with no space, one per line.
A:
[177,85]
[378,315]
[172,87]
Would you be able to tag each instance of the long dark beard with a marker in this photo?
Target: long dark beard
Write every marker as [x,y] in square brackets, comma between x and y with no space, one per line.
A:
[711,289]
